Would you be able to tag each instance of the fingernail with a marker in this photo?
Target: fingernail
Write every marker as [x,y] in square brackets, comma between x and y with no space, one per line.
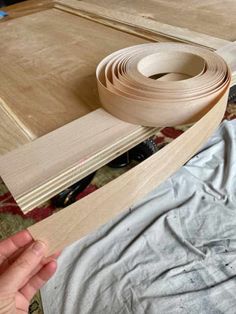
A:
[39,247]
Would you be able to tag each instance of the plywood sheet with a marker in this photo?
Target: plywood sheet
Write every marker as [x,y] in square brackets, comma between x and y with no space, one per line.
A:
[46,166]
[48,61]
[211,17]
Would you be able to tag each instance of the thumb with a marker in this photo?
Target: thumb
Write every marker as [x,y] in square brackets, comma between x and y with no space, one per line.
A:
[16,275]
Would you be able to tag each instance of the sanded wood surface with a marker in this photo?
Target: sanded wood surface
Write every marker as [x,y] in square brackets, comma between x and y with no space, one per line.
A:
[141,25]
[211,17]
[48,61]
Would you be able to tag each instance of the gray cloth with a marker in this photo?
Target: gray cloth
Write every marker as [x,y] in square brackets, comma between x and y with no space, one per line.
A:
[174,252]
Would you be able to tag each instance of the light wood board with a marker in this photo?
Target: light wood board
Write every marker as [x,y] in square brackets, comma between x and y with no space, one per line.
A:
[55,161]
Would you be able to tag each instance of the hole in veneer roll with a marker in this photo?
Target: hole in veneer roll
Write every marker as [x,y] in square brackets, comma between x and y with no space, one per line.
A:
[169,77]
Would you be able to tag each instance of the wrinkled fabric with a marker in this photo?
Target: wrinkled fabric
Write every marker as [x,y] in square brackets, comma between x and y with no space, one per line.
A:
[174,252]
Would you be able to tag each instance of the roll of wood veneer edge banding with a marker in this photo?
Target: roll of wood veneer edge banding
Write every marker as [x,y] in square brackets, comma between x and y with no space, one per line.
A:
[127,91]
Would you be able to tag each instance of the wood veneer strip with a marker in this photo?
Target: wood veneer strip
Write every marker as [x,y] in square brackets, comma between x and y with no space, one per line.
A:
[169,31]
[86,215]
[127,92]
[122,193]
[228,52]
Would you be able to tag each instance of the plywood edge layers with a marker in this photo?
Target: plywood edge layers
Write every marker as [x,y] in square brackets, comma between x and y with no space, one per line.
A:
[142,23]
[39,170]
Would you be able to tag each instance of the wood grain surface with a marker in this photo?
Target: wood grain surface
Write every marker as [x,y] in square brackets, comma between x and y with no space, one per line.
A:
[142,25]
[39,170]
[49,79]
[48,61]
[211,17]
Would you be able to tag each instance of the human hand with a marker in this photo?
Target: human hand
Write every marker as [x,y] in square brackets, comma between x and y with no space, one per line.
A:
[23,270]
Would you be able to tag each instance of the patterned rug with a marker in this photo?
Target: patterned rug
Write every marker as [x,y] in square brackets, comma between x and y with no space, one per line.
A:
[13,220]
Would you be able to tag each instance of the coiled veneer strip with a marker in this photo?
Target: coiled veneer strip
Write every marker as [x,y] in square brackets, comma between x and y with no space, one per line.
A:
[126,90]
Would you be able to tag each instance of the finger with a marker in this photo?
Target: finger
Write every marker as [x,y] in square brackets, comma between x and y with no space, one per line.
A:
[21,304]
[43,262]
[10,245]
[39,280]
[5,265]
[55,255]
[25,295]
[15,275]
[6,262]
